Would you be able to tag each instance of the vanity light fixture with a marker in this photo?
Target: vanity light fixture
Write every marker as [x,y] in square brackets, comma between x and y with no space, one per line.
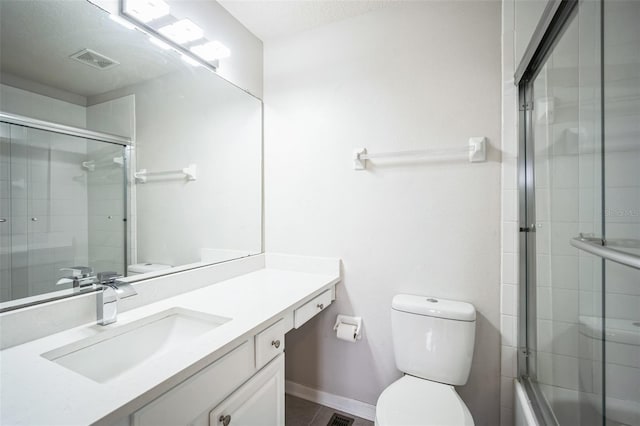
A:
[211,51]
[146,10]
[182,31]
[185,38]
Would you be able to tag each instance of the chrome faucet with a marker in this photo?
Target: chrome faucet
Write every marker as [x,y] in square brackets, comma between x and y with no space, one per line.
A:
[107,300]
[79,276]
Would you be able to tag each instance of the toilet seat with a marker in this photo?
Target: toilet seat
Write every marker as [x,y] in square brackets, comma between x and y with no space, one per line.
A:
[411,401]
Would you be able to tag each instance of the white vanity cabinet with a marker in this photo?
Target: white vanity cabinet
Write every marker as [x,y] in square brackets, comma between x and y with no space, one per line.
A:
[259,402]
[231,385]
[312,308]
[199,393]
[222,354]
[244,387]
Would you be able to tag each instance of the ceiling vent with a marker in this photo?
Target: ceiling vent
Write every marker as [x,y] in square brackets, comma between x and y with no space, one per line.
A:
[94,59]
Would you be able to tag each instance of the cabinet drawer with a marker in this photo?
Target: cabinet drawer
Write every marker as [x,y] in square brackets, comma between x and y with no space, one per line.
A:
[305,312]
[183,403]
[259,402]
[269,343]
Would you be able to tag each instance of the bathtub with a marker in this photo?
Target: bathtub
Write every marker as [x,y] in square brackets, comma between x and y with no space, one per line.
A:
[524,415]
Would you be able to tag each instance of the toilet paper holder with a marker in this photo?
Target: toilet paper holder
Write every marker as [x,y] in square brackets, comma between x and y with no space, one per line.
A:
[356,321]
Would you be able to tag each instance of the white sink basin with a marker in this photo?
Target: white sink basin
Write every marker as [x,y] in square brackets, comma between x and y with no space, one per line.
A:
[110,354]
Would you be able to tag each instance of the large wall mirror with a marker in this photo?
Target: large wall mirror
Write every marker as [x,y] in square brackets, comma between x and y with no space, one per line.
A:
[117,156]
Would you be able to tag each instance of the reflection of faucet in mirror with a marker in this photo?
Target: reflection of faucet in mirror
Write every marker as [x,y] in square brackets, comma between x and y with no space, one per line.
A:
[107,300]
[80,276]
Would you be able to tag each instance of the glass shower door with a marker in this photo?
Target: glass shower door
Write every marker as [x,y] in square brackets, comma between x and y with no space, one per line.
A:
[622,210]
[565,306]
[5,213]
[66,208]
[583,206]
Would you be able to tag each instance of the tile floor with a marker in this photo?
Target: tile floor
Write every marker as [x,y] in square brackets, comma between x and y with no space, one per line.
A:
[300,412]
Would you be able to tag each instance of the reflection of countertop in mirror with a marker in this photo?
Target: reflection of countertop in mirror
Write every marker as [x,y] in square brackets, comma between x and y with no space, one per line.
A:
[36,390]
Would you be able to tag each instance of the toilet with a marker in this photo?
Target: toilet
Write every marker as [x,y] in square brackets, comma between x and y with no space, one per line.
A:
[143,268]
[433,343]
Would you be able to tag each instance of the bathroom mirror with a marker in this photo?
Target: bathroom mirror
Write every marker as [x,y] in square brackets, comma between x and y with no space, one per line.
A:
[116,155]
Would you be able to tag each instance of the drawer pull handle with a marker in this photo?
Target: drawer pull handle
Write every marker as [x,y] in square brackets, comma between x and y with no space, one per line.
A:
[225,420]
[276,343]
[320,306]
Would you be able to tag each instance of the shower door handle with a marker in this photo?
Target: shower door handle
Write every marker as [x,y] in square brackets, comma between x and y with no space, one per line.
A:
[2,220]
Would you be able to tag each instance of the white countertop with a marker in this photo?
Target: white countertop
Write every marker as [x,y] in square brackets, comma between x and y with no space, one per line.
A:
[36,391]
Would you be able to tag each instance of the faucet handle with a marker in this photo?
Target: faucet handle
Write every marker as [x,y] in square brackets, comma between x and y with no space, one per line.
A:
[78,271]
[73,272]
[107,277]
[85,271]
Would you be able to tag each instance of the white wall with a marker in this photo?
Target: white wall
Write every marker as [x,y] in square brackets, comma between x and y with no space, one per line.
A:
[422,75]
[117,117]
[244,67]
[34,105]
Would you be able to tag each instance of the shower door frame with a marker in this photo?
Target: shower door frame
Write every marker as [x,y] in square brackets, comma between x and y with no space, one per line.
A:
[125,142]
[554,20]
[34,123]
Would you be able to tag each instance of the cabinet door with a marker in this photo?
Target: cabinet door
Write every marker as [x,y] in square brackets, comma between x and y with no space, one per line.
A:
[200,392]
[259,402]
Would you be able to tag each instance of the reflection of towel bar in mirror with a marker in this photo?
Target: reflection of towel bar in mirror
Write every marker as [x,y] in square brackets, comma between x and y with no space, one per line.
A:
[476,150]
[91,164]
[189,172]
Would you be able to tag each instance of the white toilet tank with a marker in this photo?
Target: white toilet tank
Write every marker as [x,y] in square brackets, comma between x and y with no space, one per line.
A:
[143,268]
[433,338]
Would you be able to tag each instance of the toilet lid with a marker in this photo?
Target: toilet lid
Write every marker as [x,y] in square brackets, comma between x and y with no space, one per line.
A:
[411,401]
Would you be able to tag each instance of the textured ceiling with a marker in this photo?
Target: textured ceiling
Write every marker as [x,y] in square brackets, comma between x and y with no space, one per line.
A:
[269,19]
[37,37]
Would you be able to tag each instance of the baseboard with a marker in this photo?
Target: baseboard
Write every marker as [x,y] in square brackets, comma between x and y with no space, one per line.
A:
[347,405]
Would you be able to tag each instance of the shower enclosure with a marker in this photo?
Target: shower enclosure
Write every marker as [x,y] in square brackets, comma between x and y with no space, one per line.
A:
[579,97]
[62,205]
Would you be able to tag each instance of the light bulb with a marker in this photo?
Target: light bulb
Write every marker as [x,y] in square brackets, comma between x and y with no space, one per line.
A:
[146,10]
[182,31]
